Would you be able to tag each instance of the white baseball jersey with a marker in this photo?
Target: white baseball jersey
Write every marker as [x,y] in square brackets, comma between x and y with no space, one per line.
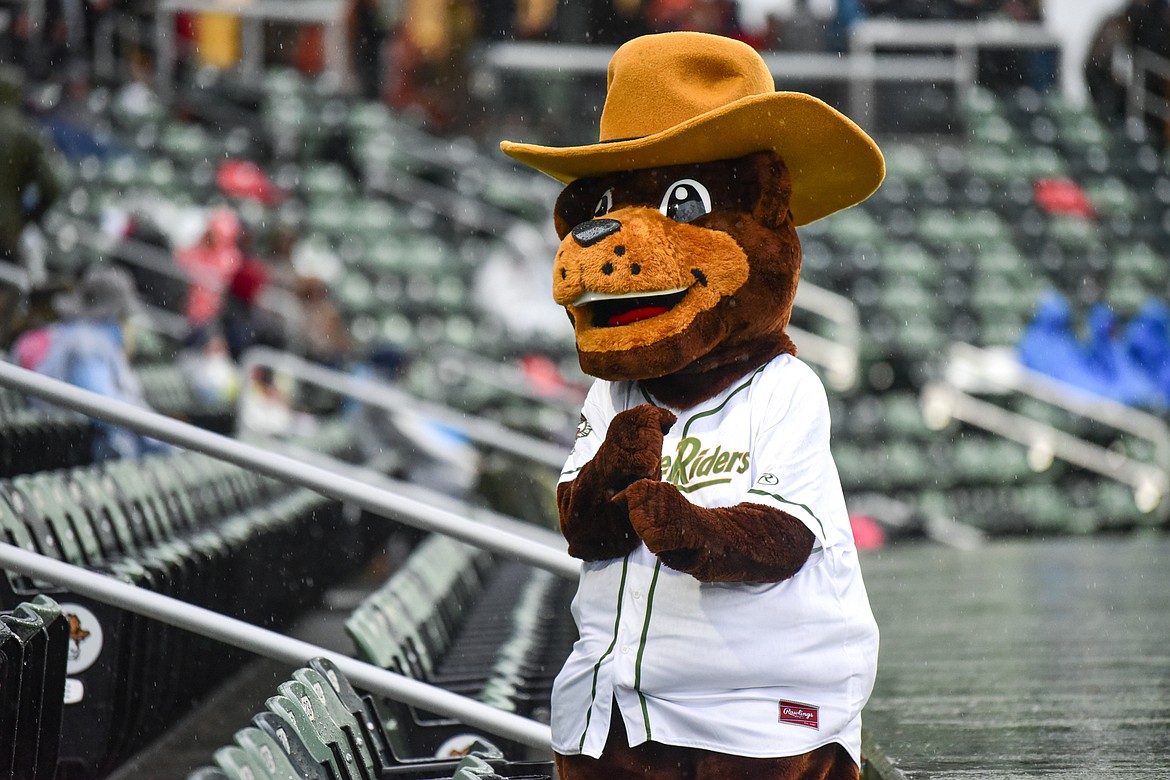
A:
[762,670]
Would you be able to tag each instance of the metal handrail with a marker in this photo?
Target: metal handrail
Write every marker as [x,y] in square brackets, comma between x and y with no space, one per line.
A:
[377,500]
[386,396]
[271,644]
[840,356]
[451,359]
[370,475]
[971,368]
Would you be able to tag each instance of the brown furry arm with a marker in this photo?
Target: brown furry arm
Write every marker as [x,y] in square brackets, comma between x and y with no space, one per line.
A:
[595,526]
[742,543]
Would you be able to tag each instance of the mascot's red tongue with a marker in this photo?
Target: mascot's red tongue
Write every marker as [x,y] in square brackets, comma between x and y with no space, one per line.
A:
[634,315]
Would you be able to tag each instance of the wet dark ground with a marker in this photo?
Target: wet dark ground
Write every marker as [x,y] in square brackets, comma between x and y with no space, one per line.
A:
[1033,659]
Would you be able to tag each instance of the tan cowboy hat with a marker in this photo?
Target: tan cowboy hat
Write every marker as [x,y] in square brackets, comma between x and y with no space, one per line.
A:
[688,97]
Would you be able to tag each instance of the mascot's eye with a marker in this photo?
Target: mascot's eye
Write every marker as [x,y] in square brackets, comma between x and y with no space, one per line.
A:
[685,201]
[605,205]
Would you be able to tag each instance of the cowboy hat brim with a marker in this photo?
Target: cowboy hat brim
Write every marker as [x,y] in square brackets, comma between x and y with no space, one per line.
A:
[833,163]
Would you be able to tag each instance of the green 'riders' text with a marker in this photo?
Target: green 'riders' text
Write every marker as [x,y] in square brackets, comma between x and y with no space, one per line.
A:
[691,461]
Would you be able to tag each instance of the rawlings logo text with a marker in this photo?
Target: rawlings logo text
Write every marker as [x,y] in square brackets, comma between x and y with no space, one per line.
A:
[798,714]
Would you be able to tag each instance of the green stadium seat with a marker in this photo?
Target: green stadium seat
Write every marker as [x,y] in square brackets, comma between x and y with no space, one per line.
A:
[296,752]
[332,710]
[265,751]
[208,773]
[297,721]
[34,643]
[238,764]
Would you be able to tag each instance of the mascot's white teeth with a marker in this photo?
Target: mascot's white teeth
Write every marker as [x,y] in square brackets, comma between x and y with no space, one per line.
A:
[592,297]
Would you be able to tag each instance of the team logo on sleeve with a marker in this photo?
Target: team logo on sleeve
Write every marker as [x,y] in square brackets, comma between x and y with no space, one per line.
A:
[584,428]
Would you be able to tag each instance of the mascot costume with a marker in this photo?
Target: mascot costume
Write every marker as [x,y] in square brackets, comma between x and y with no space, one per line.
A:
[725,631]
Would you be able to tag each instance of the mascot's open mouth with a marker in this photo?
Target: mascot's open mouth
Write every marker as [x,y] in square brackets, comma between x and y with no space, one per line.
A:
[611,311]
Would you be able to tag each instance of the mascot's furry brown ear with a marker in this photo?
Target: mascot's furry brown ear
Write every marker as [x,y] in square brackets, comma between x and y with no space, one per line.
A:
[725,630]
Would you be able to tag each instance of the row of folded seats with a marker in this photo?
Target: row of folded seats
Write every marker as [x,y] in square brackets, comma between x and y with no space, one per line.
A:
[34,643]
[451,615]
[182,524]
[456,617]
[36,438]
[318,727]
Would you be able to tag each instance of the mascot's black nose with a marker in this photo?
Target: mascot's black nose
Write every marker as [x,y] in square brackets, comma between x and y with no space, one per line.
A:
[594,230]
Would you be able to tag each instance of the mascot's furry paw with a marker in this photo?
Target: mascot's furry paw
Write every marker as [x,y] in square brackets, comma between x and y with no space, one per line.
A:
[742,543]
[596,527]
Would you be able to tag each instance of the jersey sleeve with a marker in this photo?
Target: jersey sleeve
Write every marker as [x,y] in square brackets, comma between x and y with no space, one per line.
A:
[792,466]
[596,413]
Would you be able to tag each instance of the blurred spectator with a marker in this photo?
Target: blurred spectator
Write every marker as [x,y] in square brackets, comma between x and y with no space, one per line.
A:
[90,349]
[265,408]
[1107,66]
[27,183]
[803,30]
[208,367]
[601,21]
[712,16]
[244,320]
[1150,31]
[1008,68]
[35,326]
[245,180]
[516,19]
[369,27]
[324,333]
[513,285]
[427,68]
[210,264]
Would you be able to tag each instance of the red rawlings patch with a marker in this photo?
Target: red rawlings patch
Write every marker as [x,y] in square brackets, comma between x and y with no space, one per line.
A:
[799,714]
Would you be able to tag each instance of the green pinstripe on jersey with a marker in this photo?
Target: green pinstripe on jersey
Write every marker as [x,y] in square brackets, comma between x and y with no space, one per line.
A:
[597,667]
[642,647]
[784,500]
[719,408]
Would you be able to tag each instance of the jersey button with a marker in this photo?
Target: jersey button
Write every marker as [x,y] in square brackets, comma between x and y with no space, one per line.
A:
[625,649]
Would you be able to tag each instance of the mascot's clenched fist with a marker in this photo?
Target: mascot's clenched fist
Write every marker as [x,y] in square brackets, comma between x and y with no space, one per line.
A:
[725,631]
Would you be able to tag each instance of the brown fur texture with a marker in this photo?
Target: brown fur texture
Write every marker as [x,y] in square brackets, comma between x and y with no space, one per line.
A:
[742,543]
[655,761]
[597,527]
[746,249]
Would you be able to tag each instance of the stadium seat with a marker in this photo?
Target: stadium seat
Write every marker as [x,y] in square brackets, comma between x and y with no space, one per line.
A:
[239,764]
[310,729]
[34,642]
[296,717]
[278,729]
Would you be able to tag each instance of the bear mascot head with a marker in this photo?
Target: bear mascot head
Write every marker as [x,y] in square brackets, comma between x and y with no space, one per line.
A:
[724,626]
